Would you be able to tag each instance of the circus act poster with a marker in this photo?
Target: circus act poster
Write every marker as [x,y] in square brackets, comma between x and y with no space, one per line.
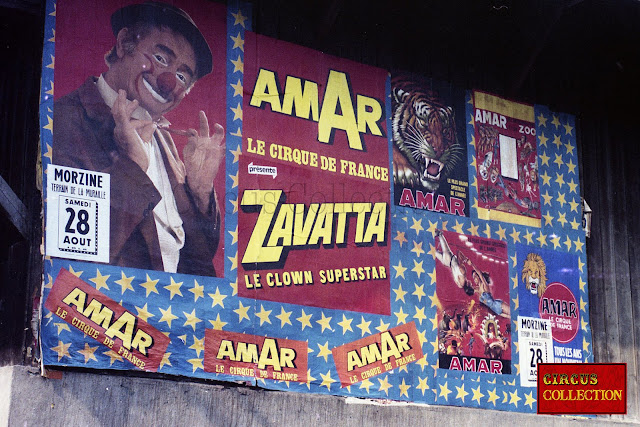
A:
[474,315]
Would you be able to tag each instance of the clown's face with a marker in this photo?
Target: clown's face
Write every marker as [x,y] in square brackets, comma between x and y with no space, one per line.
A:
[158,72]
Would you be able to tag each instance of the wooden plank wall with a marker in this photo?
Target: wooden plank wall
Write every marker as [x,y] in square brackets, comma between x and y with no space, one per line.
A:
[610,150]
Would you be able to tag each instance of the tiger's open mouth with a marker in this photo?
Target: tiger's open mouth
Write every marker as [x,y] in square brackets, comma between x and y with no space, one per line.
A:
[432,169]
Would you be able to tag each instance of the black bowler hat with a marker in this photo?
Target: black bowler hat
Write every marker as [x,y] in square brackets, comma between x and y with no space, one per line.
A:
[163,14]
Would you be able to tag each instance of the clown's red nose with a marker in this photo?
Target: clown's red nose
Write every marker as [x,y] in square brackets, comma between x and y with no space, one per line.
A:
[166,82]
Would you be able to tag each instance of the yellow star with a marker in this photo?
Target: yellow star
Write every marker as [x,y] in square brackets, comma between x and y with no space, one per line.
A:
[284,317]
[580,265]
[574,205]
[562,218]
[345,324]
[432,251]
[568,243]
[192,319]
[238,42]
[50,91]
[385,385]
[366,384]
[516,300]
[542,120]
[417,268]
[568,128]
[473,230]
[559,179]
[561,199]
[234,287]
[444,390]
[477,395]
[165,360]
[218,298]
[310,379]
[49,125]
[324,351]
[324,322]
[305,320]
[556,242]
[569,147]
[400,238]
[197,291]
[239,18]
[543,139]
[404,388]
[582,284]
[585,344]
[100,280]
[583,304]
[556,141]
[217,324]
[420,314]
[198,345]
[173,288]
[234,184]
[461,392]
[546,179]
[234,235]
[547,198]
[514,279]
[88,353]
[493,396]
[435,302]
[458,227]
[544,159]
[62,349]
[402,317]
[242,312]
[555,121]
[399,293]
[143,312]
[571,166]
[487,231]
[237,112]
[529,237]
[234,203]
[167,316]
[501,233]
[530,399]
[423,339]
[196,364]
[327,380]
[150,286]
[263,315]
[237,133]
[471,120]
[419,292]
[49,284]
[381,327]
[574,224]
[573,186]
[62,327]
[434,225]
[515,235]
[125,282]
[399,269]
[237,91]
[49,153]
[578,244]
[417,248]
[583,323]
[364,326]
[113,356]
[423,363]
[238,65]
[548,219]
[417,226]
[558,161]
[514,398]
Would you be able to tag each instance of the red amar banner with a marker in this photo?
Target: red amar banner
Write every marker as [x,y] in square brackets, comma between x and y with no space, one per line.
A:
[106,321]
[314,200]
